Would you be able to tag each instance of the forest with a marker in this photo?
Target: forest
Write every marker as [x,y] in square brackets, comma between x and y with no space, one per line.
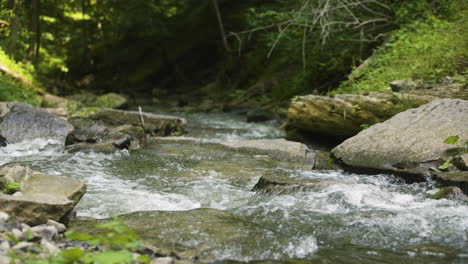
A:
[233,131]
[272,50]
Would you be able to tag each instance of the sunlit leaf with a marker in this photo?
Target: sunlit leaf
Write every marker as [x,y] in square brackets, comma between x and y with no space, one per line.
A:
[451,140]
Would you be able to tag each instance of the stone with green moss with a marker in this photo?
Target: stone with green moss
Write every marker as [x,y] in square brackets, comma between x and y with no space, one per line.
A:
[450,193]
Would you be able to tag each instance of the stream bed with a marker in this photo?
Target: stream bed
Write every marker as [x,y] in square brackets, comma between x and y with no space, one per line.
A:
[357,219]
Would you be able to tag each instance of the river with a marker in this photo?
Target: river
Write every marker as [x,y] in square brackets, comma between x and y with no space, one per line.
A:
[356,219]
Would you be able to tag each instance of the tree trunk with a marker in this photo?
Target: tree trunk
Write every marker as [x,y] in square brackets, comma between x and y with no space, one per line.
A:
[221,25]
[35,40]
[14,28]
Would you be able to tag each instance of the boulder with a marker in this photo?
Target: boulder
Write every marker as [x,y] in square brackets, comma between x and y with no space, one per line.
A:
[22,122]
[201,234]
[157,125]
[281,182]
[42,196]
[410,142]
[345,115]
[97,135]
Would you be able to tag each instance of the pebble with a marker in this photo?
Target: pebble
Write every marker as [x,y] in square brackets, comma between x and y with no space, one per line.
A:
[59,226]
[165,260]
[4,260]
[43,231]
[49,246]
[17,233]
[4,216]
[45,240]
[24,227]
[24,246]
[4,245]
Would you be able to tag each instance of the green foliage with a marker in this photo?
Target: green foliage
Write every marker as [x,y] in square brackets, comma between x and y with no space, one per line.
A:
[428,50]
[461,148]
[116,239]
[364,126]
[13,90]
[12,187]
[451,140]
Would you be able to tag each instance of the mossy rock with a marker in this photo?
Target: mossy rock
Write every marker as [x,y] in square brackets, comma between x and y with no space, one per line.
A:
[450,193]
[111,100]
[282,182]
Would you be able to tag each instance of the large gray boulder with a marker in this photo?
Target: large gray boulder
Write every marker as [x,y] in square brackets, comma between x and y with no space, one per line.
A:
[410,142]
[344,115]
[42,197]
[21,121]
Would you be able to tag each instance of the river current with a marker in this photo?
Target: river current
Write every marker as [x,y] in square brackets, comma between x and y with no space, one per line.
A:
[357,219]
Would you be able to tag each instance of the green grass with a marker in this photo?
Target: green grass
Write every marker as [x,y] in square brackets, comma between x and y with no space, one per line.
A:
[13,90]
[426,51]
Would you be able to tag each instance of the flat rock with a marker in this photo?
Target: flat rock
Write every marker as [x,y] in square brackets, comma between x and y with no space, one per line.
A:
[202,234]
[22,122]
[344,115]
[279,149]
[157,125]
[43,196]
[276,148]
[281,182]
[35,209]
[410,142]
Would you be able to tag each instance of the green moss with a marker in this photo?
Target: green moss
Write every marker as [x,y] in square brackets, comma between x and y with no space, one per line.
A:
[12,187]
[11,90]
[445,193]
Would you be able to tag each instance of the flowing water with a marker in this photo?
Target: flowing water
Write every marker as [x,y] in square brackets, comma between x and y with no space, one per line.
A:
[357,219]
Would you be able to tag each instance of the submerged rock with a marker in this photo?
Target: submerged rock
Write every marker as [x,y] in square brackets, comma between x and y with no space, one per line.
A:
[344,115]
[410,142]
[21,121]
[280,182]
[200,234]
[42,196]
[259,115]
